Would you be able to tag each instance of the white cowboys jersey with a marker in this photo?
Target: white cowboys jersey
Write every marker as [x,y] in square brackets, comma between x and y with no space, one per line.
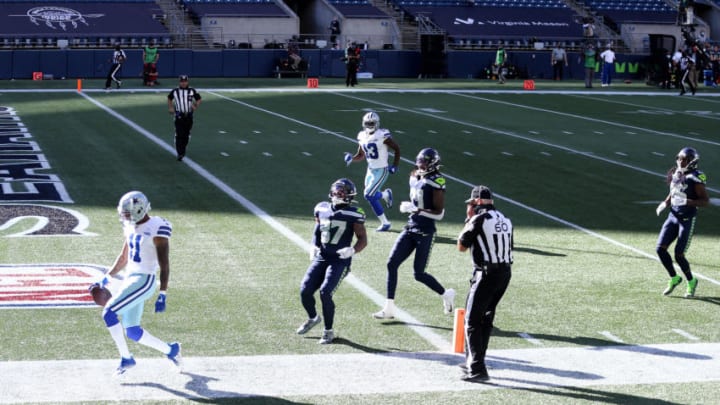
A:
[376,151]
[142,255]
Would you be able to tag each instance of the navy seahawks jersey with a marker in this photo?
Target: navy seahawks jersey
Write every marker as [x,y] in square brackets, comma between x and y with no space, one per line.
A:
[421,194]
[684,183]
[334,229]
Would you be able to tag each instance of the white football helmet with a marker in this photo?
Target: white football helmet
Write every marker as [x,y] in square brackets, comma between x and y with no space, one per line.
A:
[133,207]
[371,121]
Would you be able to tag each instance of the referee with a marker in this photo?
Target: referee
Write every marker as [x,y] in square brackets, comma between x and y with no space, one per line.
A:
[489,236]
[118,59]
[182,102]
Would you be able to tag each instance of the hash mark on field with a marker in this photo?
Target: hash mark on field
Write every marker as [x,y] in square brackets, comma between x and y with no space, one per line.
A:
[621,153]
[658,154]
[267,153]
[243,142]
[397,131]
[465,131]
[222,132]
[432,131]
[307,153]
[468,153]
[567,132]
[292,131]
[685,334]
[507,153]
[598,132]
[224,154]
[693,133]
[630,133]
[611,336]
[545,153]
[257,132]
[530,339]
[534,132]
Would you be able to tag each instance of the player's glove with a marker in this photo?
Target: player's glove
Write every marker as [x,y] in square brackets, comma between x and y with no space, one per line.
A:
[314,252]
[393,169]
[407,207]
[348,158]
[346,253]
[678,199]
[660,208]
[160,303]
[101,283]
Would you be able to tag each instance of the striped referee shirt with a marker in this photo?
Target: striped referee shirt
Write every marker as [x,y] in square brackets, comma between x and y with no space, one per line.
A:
[489,236]
[118,57]
[183,99]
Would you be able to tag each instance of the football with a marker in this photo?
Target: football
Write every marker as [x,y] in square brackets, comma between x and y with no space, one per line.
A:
[100,295]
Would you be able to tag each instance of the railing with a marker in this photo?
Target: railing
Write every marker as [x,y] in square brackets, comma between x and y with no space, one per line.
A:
[96,40]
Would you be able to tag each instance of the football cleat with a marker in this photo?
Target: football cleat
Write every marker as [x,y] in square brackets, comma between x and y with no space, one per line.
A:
[307,325]
[448,300]
[118,84]
[389,199]
[383,314]
[672,283]
[174,354]
[384,227]
[691,285]
[125,365]
[327,337]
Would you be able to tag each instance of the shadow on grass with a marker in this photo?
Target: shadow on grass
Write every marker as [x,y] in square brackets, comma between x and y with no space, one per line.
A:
[401,323]
[198,384]
[711,300]
[579,393]
[603,344]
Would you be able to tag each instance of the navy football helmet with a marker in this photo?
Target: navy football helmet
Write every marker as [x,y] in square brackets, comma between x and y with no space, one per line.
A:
[687,159]
[342,191]
[427,161]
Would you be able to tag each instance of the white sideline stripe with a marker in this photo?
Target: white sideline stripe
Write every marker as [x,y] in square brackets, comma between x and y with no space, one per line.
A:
[610,336]
[529,338]
[468,184]
[514,135]
[606,122]
[431,337]
[686,334]
[356,374]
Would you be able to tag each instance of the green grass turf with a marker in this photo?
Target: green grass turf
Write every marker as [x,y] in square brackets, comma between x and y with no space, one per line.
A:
[234,283]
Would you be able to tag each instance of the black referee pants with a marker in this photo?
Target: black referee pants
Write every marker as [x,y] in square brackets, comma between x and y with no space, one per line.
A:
[488,287]
[112,74]
[183,125]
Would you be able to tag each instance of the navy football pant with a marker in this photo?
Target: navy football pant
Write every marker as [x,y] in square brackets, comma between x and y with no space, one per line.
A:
[183,125]
[486,290]
[406,243]
[682,230]
[325,276]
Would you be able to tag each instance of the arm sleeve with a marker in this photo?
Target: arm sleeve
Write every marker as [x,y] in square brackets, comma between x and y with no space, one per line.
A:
[171,95]
[469,232]
[196,95]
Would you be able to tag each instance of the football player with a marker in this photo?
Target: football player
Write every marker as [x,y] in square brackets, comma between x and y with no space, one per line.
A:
[335,224]
[146,247]
[427,205]
[687,193]
[373,144]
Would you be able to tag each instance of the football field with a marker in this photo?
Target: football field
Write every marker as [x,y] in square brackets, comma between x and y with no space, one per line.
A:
[580,174]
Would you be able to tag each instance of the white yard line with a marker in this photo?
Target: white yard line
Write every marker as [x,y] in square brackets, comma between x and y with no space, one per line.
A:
[530,339]
[686,334]
[431,337]
[354,374]
[646,107]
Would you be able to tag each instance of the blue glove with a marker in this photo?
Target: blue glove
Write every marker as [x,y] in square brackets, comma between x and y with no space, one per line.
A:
[392,169]
[348,158]
[101,283]
[160,303]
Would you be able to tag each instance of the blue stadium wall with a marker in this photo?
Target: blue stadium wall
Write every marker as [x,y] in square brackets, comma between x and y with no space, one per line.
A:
[87,63]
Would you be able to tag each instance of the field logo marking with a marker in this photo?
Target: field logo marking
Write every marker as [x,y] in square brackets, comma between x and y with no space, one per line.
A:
[50,221]
[47,285]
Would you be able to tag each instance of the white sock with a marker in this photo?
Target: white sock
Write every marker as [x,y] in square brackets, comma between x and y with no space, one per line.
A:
[389,305]
[118,334]
[383,219]
[151,341]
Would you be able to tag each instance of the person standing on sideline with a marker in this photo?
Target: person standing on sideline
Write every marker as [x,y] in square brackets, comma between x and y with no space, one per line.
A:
[489,236]
[500,59]
[558,60]
[427,205]
[373,145]
[183,101]
[687,193]
[334,31]
[146,248]
[589,60]
[118,59]
[150,59]
[687,68]
[352,63]
[608,58]
[335,224]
